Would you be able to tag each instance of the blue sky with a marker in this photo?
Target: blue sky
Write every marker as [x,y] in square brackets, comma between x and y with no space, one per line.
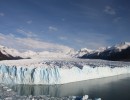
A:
[52,24]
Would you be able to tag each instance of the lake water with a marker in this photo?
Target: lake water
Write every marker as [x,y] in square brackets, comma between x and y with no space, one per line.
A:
[111,88]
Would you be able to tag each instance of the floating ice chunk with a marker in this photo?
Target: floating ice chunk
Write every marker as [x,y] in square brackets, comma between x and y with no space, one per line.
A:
[5,87]
[8,98]
[9,89]
[85,97]
[73,97]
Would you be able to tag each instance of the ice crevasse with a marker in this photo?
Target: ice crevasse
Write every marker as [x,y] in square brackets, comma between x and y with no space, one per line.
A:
[59,72]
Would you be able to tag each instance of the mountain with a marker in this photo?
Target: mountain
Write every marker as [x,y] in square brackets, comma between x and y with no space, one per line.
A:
[115,53]
[81,52]
[9,54]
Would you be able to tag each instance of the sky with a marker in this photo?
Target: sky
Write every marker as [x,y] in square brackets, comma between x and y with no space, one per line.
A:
[63,24]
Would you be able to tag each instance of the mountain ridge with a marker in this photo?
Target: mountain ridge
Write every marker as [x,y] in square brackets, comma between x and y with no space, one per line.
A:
[115,53]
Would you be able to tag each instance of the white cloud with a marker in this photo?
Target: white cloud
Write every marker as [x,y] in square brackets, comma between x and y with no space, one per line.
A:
[63,38]
[51,28]
[31,44]
[2,38]
[29,22]
[2,14]
[26,33]
[109,10]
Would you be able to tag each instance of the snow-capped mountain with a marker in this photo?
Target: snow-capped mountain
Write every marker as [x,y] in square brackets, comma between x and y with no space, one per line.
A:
[117,52]
[82,52]
[29,54]
[9,54]
[120,47]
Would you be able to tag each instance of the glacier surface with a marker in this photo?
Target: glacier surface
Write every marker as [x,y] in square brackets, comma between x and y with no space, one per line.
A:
[52,71]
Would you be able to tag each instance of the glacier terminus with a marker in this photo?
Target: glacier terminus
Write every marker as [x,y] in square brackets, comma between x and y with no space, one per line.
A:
[58,71]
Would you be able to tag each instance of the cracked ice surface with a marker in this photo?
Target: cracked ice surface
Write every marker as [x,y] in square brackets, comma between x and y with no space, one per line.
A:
[58,71]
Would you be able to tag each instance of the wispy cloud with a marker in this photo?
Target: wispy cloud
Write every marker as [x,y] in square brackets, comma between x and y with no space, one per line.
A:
[117,19]
[79,41]
[2,38]
[93,41]
[63,38]
[31,44]
[89,12]
[109,10]
[63,19]
[29,22]
[26,33]
[2,14]
[52,28]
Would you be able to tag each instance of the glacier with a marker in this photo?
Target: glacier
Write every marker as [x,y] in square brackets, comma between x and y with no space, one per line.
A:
[58,71]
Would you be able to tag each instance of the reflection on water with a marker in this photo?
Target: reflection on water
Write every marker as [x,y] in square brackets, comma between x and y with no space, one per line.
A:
[111,88]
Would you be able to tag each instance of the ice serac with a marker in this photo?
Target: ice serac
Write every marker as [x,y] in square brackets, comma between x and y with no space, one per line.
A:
[58,71]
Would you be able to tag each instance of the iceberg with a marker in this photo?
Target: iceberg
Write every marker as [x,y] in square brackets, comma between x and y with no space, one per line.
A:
[61,71]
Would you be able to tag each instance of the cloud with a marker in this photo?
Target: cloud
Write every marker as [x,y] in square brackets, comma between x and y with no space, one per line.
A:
[29,22]
[109,10]
[93,41]
[63,19]
[63,38]
[2,14]
[51,28]
[26,33]
[117,19]
[31,44]
[79,41]
[2,38]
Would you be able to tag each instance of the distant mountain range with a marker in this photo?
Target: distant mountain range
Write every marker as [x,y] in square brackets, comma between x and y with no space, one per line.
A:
[13,54]
[115,53]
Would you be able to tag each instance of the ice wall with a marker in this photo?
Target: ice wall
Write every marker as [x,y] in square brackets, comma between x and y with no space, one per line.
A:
[57,74]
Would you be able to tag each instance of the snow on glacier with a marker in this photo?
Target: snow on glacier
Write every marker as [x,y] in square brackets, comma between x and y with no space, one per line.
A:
[52,71]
